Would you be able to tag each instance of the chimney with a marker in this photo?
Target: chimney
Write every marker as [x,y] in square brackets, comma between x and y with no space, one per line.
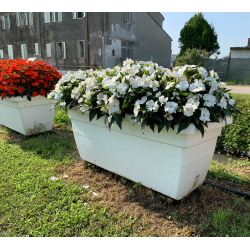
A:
[248,45]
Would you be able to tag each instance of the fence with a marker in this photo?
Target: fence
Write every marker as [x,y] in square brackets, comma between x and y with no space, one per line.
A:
[231,69]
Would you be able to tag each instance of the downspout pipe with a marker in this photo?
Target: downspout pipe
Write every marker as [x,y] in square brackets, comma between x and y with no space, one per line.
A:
[87,27]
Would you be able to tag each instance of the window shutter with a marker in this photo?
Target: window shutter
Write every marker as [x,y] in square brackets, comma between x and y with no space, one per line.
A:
[10,51]
[30,18]
[36,49]
[48,49]
[3,22]
[22,51]
[1,53]
[59,16]
[17,19]
[74,15]
[64,50]
[26,18]
[53,16]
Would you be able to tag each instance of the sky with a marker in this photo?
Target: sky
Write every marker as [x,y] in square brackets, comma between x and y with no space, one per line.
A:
[232,28]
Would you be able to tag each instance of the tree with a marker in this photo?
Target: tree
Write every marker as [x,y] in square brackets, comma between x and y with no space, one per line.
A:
[198,33]
[191,57]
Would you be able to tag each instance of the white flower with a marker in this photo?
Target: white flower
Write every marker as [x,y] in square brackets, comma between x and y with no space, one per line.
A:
[227,95]
[62,104]
[128,62]
[188,110]
[169,117]
[148,93]
[134,83]
[222,85]
[205,115]
[84,108]
[183,85]
[53,178]
[143,100]
[210,100]
[85,186]
[194,104]
[214,74]
[122,88]
[231,101]
[202,71]
[75,93]
[113,106]
[87,95]
[80,100]
[223,103]
[158,94]
[197,86]
[163,99]
[154,85]
[169,85]
[136,108]
[152,106]
[171,107]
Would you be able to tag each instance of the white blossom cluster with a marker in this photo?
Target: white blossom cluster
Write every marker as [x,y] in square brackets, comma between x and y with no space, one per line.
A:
[151,88]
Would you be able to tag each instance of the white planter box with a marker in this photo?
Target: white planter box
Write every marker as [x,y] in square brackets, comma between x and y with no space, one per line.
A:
[27,117]
[172,164]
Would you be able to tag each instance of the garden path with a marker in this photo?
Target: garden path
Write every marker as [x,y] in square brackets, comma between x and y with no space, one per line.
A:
[239,89]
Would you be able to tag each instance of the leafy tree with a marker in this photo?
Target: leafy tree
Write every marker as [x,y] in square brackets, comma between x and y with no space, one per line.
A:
[198,33]
[191,57]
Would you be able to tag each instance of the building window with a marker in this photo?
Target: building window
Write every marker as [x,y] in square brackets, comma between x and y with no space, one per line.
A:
[47,17]
[1,53]
[36,49]
[6,22]
[24,51]
[24,18]
[113,52]
[48,49]
[127,49]
[126,17]
[10,51]
[17,19]
[78,15]
[56,16]
[61,50]
[81,49]
[30,18]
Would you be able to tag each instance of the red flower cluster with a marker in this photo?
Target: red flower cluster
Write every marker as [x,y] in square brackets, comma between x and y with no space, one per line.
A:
[21,77]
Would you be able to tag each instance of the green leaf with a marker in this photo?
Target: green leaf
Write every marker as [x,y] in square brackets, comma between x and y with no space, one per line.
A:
[200,127]
[183,125]
[152,126]
[99,115]
[125,103]
[168,124]
[160,126]
[119,120]
[143,125]
[92,114]
[29,97]
[156,117]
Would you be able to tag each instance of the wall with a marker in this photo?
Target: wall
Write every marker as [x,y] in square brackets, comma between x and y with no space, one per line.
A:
[240,53]
[232,69]
[154,42]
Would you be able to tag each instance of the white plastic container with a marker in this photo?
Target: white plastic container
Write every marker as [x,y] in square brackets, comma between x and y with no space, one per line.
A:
[172,164]
[27,117]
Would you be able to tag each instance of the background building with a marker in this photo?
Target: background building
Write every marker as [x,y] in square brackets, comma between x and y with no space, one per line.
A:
[78,40]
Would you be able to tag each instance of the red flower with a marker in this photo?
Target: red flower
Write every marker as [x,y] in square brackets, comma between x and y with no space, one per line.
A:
[3,95]
[11,92]
[34,93]
[20,90]
[42,92]
[34,84]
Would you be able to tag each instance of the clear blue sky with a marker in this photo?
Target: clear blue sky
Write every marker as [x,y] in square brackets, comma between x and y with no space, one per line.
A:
[232,28]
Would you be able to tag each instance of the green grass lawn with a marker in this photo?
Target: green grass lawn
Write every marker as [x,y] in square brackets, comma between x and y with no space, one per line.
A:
[31,204]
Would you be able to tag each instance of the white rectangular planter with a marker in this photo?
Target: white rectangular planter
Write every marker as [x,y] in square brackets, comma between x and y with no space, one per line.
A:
[27,117]
[172,164]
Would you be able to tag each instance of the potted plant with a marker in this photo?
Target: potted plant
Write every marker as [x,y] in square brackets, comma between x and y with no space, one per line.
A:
[24,86]
[164,123]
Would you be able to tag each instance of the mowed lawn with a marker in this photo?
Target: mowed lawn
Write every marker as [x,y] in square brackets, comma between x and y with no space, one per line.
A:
[33,204]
